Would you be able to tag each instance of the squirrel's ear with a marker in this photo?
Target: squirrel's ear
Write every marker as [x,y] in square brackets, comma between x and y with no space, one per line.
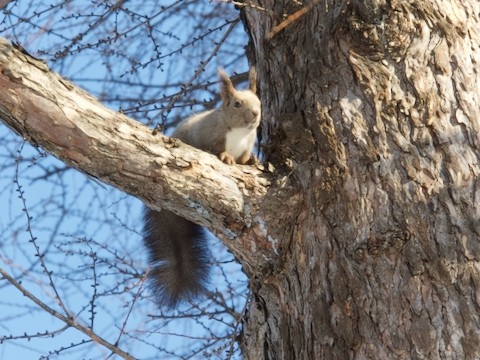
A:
[227,88]
[252,79]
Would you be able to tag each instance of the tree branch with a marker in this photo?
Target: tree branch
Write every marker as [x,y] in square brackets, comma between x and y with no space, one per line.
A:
[69,320]
[53,113]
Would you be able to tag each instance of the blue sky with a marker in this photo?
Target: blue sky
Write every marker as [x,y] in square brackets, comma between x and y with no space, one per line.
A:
[87,232]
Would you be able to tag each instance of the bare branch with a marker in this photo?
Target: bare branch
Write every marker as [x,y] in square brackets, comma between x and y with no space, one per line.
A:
[53,113]
[66,319]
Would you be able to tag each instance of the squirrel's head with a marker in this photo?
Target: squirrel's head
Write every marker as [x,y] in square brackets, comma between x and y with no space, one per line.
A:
[242,106]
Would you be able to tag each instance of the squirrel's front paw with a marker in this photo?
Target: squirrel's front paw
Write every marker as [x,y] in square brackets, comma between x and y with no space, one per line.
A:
[226,158]
[253,160]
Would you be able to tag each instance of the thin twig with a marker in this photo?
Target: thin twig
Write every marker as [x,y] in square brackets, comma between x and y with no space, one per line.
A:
[243,4]
[67,320]
[199,70]
[291,19]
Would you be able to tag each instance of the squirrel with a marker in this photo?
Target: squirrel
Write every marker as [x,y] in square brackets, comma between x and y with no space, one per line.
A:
[178,253]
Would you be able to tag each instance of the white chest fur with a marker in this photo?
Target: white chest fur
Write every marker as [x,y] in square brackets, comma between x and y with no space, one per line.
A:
[238,141]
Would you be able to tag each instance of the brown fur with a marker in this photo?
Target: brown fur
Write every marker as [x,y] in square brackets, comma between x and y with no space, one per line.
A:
[178,249]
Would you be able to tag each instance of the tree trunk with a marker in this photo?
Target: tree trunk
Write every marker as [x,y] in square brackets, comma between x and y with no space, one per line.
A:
[366,243]
[371,112]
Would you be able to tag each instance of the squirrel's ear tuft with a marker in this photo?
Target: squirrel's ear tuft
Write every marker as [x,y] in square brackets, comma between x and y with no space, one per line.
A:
[252,79]
[227,88]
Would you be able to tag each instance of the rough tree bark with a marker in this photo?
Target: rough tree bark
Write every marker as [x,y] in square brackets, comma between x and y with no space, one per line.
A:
[372,108]
[366,243]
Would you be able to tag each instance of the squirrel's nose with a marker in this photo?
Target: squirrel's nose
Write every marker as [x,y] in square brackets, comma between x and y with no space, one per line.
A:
[255,113]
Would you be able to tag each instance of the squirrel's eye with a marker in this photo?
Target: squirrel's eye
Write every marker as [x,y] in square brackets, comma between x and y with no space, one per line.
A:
[237,104]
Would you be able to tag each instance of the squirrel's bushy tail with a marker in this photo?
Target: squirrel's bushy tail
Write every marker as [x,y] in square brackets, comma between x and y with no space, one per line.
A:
[178,257]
